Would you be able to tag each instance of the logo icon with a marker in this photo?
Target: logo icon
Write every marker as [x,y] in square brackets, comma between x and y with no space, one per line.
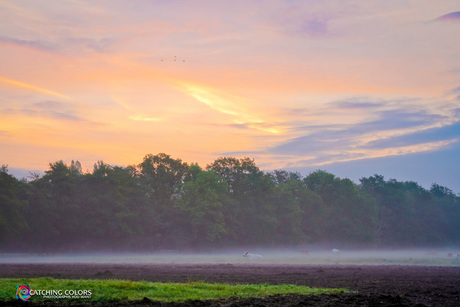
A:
[23,292]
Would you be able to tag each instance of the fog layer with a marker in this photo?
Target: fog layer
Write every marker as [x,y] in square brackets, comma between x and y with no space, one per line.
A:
[429,257]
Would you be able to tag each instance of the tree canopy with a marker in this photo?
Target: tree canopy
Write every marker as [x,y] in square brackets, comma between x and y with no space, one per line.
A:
[164,203]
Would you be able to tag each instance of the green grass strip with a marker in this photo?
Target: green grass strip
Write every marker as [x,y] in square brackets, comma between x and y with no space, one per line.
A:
[106,290]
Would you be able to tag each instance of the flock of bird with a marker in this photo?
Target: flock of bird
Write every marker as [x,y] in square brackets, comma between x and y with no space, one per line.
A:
[175,59]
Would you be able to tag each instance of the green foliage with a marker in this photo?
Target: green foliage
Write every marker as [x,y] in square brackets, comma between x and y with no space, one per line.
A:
[200,207]
[164,203]
[12,207]
[161,176]
[349,215]
[108,290]
[409,215]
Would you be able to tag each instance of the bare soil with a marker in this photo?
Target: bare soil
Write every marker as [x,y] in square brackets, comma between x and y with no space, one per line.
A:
[374,285]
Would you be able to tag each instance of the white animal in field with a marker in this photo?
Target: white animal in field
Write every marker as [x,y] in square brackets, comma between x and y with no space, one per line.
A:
[335,251]
[252,256]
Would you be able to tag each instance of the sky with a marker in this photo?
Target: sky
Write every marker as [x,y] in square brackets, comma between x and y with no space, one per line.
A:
[352,87]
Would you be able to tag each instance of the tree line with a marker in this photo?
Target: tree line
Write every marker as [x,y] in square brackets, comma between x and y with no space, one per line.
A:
[164,203]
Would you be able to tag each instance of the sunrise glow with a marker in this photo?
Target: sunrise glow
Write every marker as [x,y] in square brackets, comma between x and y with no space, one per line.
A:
[292,84]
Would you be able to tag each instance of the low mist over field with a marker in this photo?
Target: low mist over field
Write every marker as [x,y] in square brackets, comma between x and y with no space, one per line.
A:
[317,256]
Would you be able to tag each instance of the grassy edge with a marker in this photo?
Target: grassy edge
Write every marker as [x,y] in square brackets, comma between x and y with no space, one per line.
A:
[113,289]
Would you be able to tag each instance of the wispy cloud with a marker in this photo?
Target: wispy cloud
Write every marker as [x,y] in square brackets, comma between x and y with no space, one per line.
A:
[270,128]
[56,109]
[64,45]
[454,16]
[145,118]
[35,44]
[49,108]
[236,107]
[359,154]
[4,133]
[350,104]
[393,131]
[33,87]
[444,133]
[302,19]
[213,100]
[315,26]
[121,102]
[456,112]
[86,44]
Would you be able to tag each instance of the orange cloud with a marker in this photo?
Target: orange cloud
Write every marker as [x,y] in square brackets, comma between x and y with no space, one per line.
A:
[232,105]
[32,87]
[145,119]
